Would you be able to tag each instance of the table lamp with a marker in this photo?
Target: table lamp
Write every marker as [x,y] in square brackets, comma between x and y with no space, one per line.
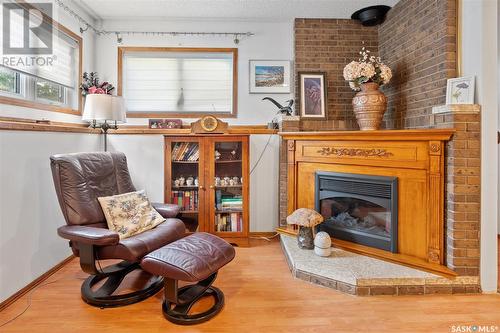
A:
[104,112]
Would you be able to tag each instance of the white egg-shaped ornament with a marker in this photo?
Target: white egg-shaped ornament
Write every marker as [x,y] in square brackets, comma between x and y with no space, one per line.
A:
[322,244]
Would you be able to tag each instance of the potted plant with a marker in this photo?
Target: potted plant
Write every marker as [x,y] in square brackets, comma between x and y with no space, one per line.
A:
[366,76]
[91,85]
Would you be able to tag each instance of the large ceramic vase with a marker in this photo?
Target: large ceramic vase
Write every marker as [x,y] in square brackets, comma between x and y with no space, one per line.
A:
[305,238]
[369,106]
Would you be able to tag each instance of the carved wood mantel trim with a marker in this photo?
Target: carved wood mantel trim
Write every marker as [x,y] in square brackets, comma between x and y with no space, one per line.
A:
[327,151]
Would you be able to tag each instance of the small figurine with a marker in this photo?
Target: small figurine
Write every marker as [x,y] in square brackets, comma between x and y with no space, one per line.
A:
[182,181]
[176,183]
[217,181]
[217,155]
[233,154]
[196,181]
[322,244]
[236,180]
[190,181]
[285,110]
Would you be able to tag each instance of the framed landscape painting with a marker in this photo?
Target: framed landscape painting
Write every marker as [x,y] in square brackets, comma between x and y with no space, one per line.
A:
[312,95]
[270,76]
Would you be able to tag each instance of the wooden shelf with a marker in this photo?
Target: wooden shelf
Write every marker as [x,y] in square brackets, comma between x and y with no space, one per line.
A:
[188,212]
[227,161]
[229,186]
[229,211]
[194,187]
[185,162]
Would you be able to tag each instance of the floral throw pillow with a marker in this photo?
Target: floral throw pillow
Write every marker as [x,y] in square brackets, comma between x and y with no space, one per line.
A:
[129,213]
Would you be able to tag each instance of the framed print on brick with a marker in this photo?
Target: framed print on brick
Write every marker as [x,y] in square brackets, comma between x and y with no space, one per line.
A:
[312,92]
[460,90]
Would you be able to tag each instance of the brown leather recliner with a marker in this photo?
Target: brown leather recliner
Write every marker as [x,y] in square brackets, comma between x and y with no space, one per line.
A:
[79,180]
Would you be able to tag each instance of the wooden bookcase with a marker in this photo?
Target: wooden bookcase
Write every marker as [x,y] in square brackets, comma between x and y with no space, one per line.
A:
[207,175]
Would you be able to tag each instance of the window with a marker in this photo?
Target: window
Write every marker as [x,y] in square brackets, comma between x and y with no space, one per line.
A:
[43,81]
[182,82]
[9,81]
[48,92]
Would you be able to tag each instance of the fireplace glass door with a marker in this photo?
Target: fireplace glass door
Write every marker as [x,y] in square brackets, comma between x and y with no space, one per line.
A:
[358,208]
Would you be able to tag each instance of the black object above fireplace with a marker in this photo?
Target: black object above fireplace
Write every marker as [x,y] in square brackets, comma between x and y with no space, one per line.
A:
[359,208]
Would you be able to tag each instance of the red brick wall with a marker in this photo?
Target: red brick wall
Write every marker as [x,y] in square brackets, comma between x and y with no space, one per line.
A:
[327,45]
[418,41]
[463,190]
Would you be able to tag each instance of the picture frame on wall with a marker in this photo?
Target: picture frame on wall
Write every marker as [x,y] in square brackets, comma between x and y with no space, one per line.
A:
[312,92]
[460,90]
[270,77]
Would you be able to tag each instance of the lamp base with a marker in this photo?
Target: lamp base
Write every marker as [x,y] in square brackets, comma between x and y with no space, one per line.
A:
[105,126]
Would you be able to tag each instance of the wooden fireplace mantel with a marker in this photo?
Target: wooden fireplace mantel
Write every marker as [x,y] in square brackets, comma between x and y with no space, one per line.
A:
[415,157]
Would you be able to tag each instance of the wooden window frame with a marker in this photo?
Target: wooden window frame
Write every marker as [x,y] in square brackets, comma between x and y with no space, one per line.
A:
[48,107]
[163,114]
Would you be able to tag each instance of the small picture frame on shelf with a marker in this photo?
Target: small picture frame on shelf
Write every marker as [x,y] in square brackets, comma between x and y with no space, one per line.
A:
[270,77]
[312,92]
[165,123]
[460,90]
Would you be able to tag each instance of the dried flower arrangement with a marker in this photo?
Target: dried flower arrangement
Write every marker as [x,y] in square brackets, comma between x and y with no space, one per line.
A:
[90,85]
[368,68]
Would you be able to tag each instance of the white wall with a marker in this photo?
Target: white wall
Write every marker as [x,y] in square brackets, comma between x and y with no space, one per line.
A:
[29,210]
[145,161]
[271,41]
[479,58]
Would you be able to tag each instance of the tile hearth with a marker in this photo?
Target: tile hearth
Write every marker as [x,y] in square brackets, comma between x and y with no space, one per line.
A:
[362,275]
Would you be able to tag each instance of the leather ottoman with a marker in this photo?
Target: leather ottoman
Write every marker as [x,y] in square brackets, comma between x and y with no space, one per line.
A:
[195,258]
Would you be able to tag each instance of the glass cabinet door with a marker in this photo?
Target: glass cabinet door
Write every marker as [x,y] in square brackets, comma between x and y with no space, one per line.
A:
[184,179]
[228,211]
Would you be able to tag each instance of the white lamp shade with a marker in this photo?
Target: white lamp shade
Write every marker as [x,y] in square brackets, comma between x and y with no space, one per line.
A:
[101,107]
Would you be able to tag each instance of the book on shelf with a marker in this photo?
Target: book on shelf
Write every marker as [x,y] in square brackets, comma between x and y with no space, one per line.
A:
[186,200]
[231,204]
[218,199]
[229,222]
[182,151]
[175,150]
[186,151]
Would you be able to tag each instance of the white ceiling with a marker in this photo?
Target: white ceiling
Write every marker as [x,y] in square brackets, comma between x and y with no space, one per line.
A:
[225,9]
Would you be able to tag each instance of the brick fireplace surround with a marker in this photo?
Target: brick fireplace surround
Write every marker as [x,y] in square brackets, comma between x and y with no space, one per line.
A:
[418,41]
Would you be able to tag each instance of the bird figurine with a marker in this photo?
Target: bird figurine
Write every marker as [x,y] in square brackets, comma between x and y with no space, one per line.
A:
[286,110]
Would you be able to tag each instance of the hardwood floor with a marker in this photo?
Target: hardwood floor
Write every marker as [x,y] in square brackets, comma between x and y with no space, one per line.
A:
[261,296]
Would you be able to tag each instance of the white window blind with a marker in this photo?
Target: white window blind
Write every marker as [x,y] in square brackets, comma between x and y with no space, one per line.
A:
[60,69]
[190,82]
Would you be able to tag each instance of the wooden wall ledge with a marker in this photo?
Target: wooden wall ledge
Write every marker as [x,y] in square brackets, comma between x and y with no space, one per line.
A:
[20,124]
[383,135]
[232,129]
[46,127]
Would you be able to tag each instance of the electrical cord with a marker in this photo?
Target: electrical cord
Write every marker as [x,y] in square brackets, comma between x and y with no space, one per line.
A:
[261,154]
[265,238]
[263,150]
[30,295]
